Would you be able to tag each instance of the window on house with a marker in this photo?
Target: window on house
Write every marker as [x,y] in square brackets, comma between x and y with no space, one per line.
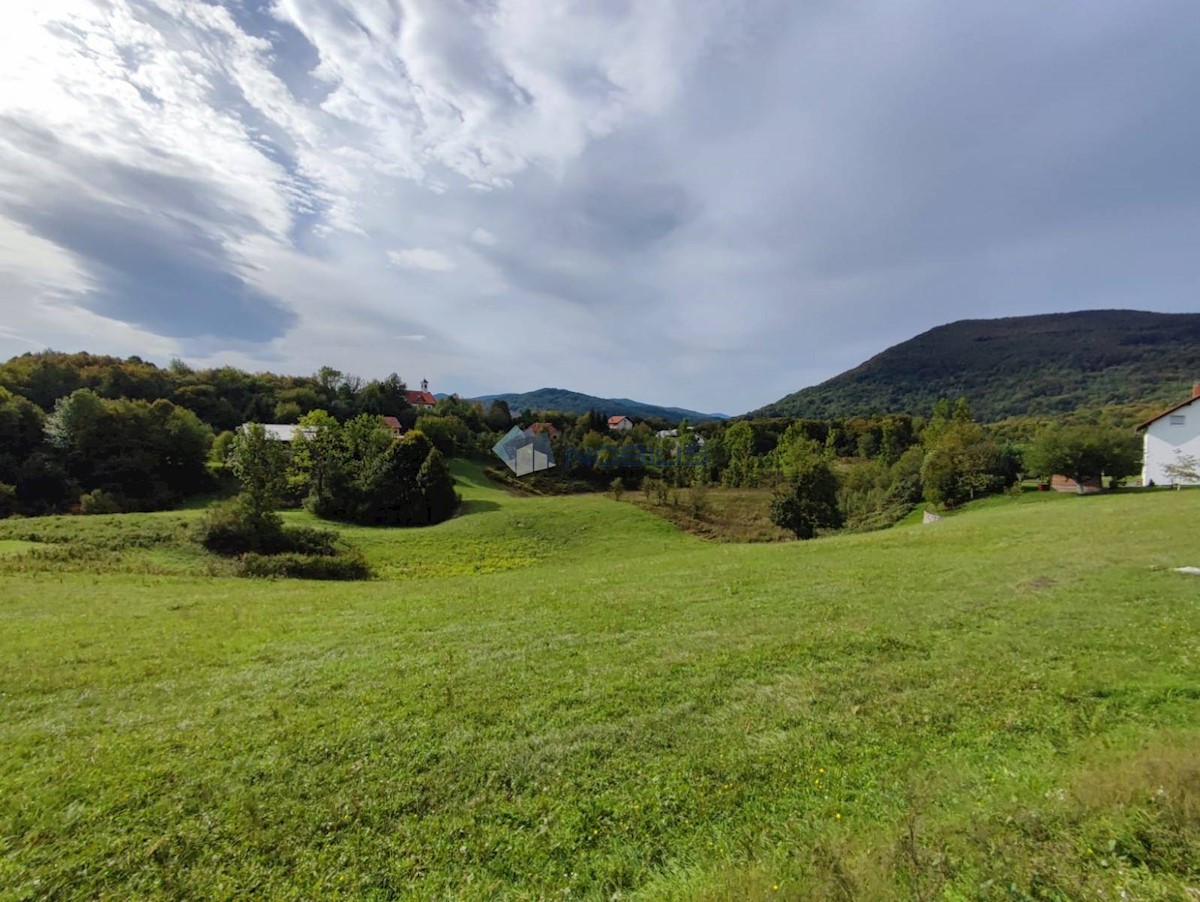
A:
[1178,419]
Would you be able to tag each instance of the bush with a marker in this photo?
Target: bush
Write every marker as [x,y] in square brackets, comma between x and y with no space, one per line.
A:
[235,528]
[308,540]
[617,488]
[698,501]
[98,502]
[232,529]
[349,566]
[8,500]
[809,502]
[384,482]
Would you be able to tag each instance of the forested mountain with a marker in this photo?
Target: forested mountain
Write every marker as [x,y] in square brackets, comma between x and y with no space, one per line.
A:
[575,402]
[1018,365]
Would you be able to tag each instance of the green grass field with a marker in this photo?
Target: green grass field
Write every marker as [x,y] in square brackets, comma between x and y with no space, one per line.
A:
[569,698]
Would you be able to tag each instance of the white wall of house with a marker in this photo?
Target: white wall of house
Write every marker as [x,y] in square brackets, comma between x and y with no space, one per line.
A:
[1176,431]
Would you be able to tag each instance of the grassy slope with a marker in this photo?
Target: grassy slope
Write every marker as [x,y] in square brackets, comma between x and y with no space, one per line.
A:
[1012,695]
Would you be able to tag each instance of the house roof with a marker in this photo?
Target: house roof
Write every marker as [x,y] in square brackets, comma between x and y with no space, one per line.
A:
[392,423]
[1168,411]
[420,398]
[538,428]
[616,418]
[284,432]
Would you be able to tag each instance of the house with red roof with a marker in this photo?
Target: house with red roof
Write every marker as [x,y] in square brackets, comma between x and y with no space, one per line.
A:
[549,428]
[421,399]
[393,424]
[620,423]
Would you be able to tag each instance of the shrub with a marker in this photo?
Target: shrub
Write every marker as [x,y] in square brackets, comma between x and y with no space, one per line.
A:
[809,502]
[617,488]
[98,502]
[233,528]
[308,540]
[698,501]
[661,490]
[8,500]
[386,482]
[236,528]
[290,565]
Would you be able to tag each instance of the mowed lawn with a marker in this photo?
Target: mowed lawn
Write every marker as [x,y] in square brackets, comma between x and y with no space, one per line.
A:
[568,698]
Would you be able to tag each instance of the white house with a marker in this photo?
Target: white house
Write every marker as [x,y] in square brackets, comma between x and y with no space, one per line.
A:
[695,437]
[1172,434]
[283,432]
[620,423]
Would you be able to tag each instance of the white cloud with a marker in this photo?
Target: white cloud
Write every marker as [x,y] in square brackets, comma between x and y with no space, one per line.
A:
[421,258]
[484,237]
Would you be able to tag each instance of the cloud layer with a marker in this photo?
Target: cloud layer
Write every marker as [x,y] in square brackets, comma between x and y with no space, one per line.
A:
[699,202]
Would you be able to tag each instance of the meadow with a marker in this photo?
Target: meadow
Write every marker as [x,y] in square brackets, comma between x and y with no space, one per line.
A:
[571,698]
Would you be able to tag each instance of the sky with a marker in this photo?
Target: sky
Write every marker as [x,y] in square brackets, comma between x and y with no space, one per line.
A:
[702,203]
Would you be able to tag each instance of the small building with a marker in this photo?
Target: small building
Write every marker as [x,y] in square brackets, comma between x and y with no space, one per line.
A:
[393,424]
[620,423]
[422,399]
[1090,485]
[1172,434]
[691,437]
[548,428]
[283,432]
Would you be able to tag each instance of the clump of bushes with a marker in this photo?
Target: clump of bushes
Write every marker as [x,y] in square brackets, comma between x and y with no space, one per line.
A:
[348,566]
[8,500]
[360,473]
[809,501]
[98,502]
[234,528]
[249,528]
[266,548]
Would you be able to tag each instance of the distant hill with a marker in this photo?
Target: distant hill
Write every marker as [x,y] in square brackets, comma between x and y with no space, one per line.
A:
[574,402]
[1018,365]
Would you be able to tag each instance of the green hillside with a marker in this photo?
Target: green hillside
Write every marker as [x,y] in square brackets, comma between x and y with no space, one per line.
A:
[568,698]
[1018,365]
[575,402]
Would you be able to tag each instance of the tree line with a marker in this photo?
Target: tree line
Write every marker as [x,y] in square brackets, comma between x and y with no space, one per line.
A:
[103,433]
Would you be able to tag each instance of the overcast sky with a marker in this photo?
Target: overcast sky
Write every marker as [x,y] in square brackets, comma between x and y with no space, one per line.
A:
[707,203]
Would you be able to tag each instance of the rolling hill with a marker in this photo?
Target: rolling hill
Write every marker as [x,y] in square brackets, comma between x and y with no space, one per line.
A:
[575,402]
[1018,365]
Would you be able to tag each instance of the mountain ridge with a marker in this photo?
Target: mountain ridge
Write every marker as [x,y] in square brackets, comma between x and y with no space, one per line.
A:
[1041,364]
[568,401]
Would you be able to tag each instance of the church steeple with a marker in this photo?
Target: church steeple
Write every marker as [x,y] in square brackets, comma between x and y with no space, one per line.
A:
[424,385]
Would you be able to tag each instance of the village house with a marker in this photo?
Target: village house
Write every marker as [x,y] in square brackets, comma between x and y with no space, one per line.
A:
[422,399]
[1172,434]
[548,428]
[283,432]
[620,423]
[392,424]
